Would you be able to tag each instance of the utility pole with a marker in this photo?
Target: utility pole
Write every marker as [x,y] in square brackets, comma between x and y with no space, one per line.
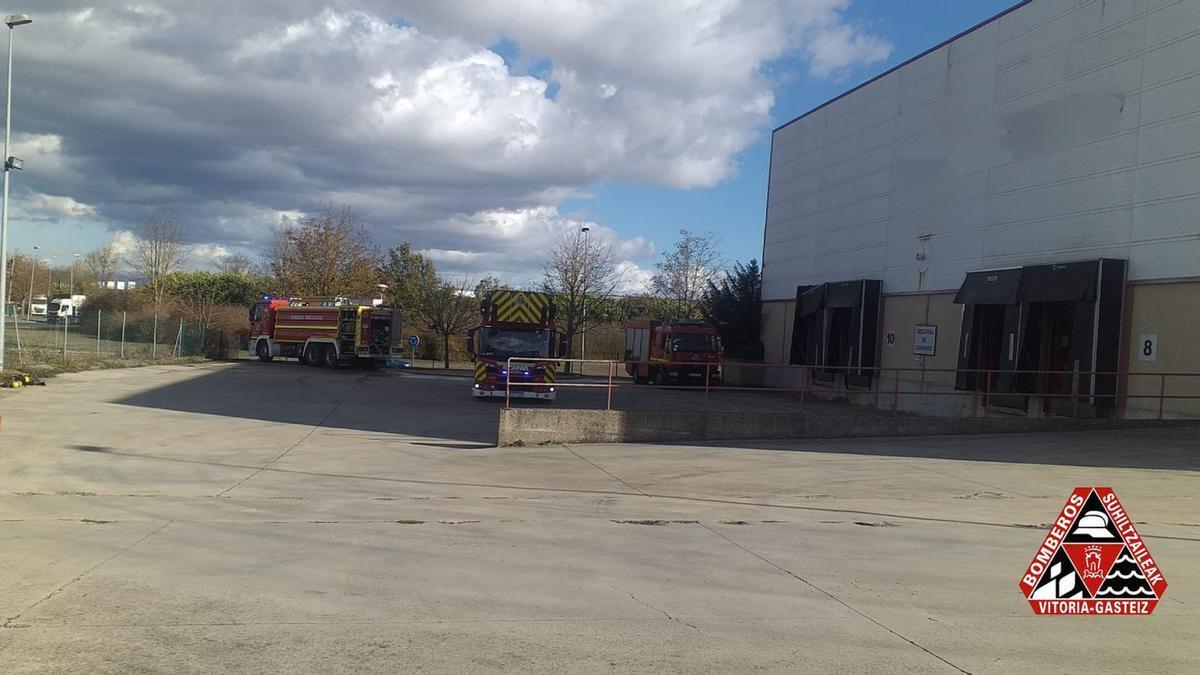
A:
[583,318]
[10,163]
[32,274]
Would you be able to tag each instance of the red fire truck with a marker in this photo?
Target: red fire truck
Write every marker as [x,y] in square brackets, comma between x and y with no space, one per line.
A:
[323,332]
[514,324]
[683,351]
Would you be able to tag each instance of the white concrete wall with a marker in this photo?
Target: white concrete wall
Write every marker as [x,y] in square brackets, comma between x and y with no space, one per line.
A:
[1064,130]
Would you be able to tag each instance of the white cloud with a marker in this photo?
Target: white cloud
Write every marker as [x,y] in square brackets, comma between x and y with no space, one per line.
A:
[56,206]
[237,126]
[838,48]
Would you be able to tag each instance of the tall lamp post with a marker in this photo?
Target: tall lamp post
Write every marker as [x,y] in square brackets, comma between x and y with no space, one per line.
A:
[10,163]
[71,301]
[583,319]
[32,274]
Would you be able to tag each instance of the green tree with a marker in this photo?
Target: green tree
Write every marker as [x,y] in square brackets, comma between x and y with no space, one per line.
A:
[200,293]
[409,276]
[734,307]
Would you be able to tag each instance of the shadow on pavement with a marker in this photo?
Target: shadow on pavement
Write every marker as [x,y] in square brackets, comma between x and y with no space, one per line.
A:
[386,402]
[1174,448]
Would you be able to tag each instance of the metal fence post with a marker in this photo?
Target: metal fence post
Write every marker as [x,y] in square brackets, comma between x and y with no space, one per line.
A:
[707,376]
[99,320]
[987,394]
[611,367]
[123,313]
[1075,390]
[896,392]
[876,382]
[1162,392]
[154,338]
[507,385]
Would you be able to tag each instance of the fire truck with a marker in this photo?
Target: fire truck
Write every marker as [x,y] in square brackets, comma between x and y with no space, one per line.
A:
[683,351]
[323,333]
[514,324]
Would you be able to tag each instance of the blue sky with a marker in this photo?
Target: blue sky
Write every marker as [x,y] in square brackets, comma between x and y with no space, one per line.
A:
[477,130]
[735,208]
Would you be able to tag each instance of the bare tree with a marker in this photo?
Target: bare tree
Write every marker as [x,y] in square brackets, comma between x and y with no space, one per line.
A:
[581,272]
[158,251]
[326,255]
[103,263]
[683,274]
[235,263]
[448,310]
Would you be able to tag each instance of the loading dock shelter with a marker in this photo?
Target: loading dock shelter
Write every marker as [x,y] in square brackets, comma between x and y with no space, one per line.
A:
[1036,212]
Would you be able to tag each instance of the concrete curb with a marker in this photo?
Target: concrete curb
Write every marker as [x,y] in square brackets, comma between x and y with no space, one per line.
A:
[531,426]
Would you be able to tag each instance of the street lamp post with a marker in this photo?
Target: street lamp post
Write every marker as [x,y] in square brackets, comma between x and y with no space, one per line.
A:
[71,300]
[32,274]
[583,318]
[13,20]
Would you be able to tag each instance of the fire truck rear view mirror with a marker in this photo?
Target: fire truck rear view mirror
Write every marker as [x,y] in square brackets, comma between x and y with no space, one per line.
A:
[471,344]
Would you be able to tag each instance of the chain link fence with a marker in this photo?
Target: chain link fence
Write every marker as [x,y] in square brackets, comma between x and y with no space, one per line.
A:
[114,335]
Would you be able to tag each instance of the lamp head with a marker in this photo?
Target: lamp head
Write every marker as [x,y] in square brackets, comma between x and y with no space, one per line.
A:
[14,20]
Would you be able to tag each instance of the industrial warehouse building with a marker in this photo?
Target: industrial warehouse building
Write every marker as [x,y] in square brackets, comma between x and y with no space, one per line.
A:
[1023,197]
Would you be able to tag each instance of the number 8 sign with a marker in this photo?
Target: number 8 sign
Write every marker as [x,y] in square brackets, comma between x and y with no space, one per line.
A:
[1148,348]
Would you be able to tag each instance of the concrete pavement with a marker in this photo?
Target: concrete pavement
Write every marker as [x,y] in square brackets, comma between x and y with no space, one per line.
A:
[267,517]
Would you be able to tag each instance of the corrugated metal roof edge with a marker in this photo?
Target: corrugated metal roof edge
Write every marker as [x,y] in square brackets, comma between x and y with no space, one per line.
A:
[898,66]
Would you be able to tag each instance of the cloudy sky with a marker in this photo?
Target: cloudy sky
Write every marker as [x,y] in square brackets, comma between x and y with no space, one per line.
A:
[476,130]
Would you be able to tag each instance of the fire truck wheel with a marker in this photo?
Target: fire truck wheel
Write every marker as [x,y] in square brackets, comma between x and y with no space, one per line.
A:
[312,356]
[263,351]
[329,357]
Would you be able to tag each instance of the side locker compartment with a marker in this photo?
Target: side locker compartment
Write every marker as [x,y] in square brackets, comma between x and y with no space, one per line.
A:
[347,330]
[396,332]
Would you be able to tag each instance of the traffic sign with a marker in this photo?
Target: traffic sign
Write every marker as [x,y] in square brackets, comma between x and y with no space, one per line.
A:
[413,341]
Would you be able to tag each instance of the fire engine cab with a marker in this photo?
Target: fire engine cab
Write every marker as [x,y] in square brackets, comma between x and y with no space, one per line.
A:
[324,332]
[682,351]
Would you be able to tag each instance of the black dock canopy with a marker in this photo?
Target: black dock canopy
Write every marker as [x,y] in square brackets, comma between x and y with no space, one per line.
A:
[993,287]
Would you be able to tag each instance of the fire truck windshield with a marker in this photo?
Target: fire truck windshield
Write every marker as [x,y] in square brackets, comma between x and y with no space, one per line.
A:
[694,342]
[504,343]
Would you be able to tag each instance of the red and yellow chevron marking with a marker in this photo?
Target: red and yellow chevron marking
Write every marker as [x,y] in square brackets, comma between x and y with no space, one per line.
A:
[519,306]
[480,371]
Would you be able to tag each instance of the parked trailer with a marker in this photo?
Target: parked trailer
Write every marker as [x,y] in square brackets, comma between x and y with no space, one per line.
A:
[323,333]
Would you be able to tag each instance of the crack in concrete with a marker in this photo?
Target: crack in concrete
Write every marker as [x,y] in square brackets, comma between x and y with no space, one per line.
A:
[841,602]
[605,471]
[8,623]
[657,609]
[349,390]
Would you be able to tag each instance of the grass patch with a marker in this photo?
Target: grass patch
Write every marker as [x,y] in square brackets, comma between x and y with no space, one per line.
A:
[46,364]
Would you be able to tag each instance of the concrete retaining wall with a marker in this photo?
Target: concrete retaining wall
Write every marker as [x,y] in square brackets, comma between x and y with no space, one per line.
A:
[530,426]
